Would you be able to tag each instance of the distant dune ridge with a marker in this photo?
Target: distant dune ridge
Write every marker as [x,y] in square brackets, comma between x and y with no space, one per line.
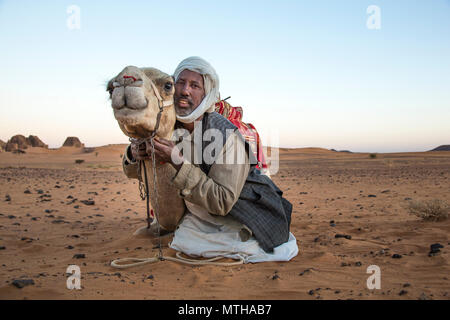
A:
[444,147]
[341,150]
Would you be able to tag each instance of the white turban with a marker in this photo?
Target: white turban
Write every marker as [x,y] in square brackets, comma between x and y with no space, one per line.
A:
[211,83]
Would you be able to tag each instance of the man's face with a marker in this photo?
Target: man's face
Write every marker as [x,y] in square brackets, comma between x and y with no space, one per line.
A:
[189,92]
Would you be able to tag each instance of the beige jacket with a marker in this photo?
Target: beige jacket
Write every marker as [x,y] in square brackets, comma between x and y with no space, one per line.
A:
[218,191]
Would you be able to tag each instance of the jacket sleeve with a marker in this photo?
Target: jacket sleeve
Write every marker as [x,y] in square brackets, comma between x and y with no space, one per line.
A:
[220,189]
[130,166]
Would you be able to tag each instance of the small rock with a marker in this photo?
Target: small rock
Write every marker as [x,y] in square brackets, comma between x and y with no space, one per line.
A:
[343,236]
[57,221]
[27,191]
[79,256]
[69,247]
[396,256]
[88,202]
[20,283]
[275,276]
[402,292]
[2,248]
[436,246]
[371,196]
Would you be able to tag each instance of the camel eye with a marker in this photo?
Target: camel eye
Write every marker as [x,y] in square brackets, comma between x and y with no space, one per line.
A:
[168,86]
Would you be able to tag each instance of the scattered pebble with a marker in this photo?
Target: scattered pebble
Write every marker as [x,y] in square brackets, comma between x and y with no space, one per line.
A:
[337,236]
[20,283]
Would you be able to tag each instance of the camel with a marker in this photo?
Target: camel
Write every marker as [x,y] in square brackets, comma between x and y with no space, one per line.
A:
[134,94]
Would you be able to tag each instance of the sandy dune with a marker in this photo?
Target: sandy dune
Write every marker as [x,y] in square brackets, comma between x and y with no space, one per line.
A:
[44,224]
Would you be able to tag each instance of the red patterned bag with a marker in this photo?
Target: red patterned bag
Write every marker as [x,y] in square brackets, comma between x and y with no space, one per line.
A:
[248,131]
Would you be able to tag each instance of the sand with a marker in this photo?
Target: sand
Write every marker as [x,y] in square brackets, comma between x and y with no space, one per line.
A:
[42,229]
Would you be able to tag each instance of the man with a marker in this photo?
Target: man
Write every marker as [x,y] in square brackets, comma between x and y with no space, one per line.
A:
[220,193]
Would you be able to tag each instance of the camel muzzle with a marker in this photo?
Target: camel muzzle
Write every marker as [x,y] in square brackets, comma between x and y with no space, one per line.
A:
[131,97]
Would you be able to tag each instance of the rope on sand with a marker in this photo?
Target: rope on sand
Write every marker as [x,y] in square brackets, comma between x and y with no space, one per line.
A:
[119,263]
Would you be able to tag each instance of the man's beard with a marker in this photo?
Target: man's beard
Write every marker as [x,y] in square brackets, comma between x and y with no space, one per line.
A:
[184,111]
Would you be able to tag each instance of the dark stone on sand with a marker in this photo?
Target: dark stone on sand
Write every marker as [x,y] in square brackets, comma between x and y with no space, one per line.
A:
[435,246]
[20,283]
[27,191]
[2,248]
[372,196]
[337,236]
[435,249]
[396,256]
[88,202]
[79,256]
[59,221]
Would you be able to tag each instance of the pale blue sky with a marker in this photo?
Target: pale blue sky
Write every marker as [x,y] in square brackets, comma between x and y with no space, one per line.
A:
[310,71]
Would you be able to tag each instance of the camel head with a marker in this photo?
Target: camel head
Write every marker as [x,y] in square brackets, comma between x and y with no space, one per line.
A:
[135,102]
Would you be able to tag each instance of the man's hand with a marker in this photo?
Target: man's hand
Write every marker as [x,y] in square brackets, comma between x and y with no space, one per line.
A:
[139,151]
[166,151]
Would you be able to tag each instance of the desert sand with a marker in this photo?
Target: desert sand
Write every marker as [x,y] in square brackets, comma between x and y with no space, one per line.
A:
[45,224]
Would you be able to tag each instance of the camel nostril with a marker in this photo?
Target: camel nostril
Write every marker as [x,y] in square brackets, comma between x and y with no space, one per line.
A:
[130,77]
